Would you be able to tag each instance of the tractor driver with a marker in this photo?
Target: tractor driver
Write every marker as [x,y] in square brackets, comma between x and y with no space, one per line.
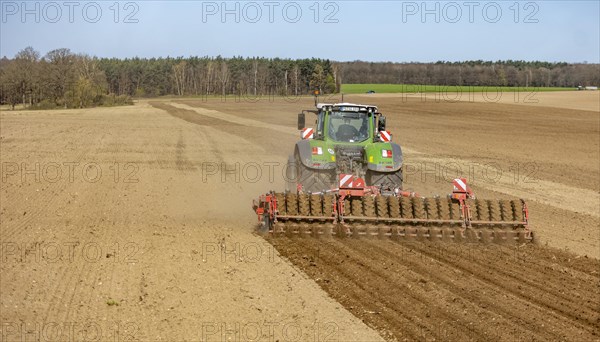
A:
[347,131]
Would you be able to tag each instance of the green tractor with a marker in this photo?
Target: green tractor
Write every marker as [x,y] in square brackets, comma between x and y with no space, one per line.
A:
[348,139]
[345,179]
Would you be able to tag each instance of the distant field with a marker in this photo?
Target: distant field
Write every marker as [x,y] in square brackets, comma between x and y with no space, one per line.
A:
[415,88]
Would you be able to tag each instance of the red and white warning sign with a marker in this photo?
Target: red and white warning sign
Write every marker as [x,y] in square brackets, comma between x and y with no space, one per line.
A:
[308,133]
[346,181]
[385,136]
[460,185]
[351,182]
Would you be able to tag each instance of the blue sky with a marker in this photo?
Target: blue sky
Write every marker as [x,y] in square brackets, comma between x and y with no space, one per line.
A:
[397,31]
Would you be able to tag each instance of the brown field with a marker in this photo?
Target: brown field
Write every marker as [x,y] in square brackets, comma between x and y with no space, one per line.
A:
[580,100]
[135,223]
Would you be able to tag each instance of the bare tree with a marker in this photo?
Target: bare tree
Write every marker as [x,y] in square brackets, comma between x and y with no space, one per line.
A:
[179,76]
[224,77]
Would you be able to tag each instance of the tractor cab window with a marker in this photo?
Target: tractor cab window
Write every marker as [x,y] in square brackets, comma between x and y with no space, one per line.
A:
[349,126]
[320,124]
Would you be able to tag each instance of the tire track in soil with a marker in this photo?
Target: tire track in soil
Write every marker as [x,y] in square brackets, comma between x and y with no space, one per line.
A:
[212,123]
[65,272]
[78,273]
[184,165]
[81,277]
[206,130]
[81,274]
[193,117]
[481,295]
[87,274]
[48,198]
[261,134]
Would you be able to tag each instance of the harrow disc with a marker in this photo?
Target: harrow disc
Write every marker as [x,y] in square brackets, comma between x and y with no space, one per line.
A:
[393,217]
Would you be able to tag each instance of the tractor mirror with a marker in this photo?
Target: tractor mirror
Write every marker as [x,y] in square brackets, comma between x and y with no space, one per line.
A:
[381,124]
[301,121]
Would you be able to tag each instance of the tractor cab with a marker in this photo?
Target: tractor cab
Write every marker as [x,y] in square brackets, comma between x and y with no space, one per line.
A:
[349,126]
[347,139]
[344,123]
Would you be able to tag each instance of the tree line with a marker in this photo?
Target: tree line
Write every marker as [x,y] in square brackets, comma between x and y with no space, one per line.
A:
[219,76]
[63,79]
[59,79]
[474,73]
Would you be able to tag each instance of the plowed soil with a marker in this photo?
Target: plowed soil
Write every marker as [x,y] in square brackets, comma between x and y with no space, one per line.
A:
[147,233]
[433,291]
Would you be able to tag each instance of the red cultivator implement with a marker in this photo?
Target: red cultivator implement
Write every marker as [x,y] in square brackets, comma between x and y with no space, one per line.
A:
[354,209]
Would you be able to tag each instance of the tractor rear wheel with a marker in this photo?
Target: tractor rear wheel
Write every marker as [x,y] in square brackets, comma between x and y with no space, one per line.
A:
[314,180]
[290,175]
[385,180]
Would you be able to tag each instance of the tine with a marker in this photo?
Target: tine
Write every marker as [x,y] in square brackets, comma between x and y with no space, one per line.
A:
[289,229]
[315,231]
[355,230]
[382,232]
[328,230]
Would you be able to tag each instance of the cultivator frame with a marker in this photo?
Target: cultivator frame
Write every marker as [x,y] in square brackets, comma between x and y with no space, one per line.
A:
[355,209]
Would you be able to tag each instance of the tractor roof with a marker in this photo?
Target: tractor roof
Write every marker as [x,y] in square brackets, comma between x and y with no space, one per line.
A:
[345,106]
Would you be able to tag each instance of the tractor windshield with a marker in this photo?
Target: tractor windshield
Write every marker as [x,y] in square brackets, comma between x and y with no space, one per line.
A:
[348,126]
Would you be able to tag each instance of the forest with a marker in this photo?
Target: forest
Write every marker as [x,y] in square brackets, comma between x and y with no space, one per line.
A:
[64,79]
